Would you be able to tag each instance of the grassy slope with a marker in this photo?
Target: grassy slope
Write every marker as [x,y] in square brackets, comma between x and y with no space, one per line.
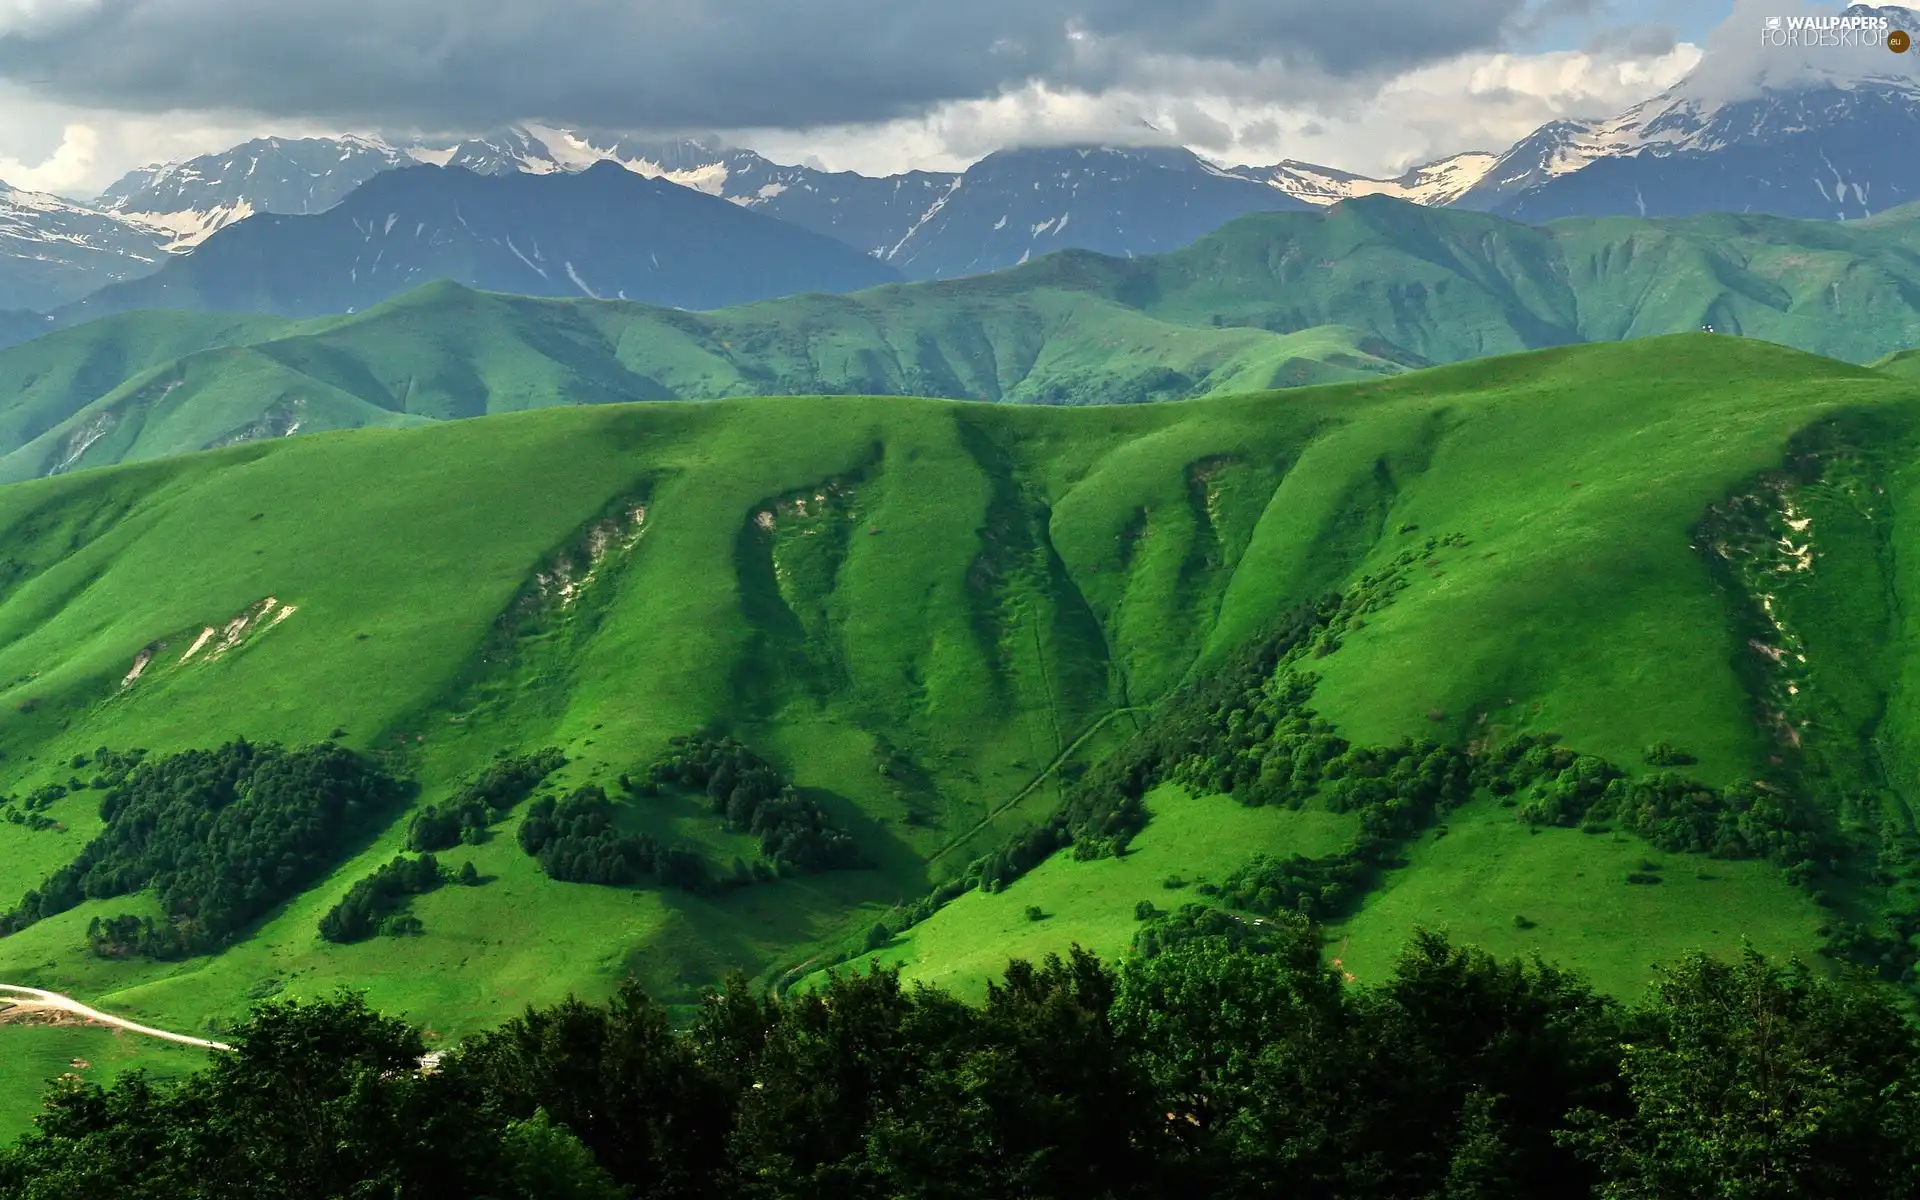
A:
[37,1054]
[445,352]
[47,381]
[1361,290]
[972,589]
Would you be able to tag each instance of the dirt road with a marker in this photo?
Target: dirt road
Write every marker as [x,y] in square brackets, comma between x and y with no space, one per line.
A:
[34,999]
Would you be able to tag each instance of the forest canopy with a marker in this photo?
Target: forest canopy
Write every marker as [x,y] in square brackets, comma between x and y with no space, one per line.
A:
[1208,1069]
[221,837]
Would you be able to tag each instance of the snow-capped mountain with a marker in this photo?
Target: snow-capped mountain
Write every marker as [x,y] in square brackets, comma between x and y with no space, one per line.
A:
[1440,182]
[1806,131]
[1014,205]
[603,232]
[1556,148]
[187,201]
[53,251]
[1814,131]
[871,214]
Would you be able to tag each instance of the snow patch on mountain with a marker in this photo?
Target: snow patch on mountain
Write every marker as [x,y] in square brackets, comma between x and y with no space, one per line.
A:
[1439,182]
[187,228]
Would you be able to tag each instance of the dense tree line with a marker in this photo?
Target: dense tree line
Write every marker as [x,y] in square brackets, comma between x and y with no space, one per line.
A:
[1205,1069]
[220,836]
[481,801]
[377,904]
[750,796]
[319,1101]
[576,840]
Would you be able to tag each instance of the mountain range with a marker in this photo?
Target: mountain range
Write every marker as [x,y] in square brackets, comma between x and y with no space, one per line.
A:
[1365,289]
[1804,136]
[602,232]
[1791,131]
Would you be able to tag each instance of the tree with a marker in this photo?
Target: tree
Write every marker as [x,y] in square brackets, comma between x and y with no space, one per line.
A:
[617,1077]
[546,1162]
[1757,1081]
[1483,1165]
[1255,1059]
[1484,1058]
[317,1101]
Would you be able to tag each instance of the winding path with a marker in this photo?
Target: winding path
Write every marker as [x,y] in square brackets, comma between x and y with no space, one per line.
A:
[14,996]
[1058,761]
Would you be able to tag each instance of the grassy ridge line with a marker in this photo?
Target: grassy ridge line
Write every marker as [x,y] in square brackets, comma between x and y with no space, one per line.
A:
[1283,299]
[444,352]
[1135,540]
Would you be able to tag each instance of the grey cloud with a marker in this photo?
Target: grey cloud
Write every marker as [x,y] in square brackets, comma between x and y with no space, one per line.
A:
[1195,127]
[1260,129]
[1547,13]
[676,64]
[1632,41]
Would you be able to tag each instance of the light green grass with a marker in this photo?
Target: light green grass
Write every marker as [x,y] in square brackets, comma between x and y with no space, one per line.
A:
[32,1056]
[1035,571]
[1193,838]
[1488,869]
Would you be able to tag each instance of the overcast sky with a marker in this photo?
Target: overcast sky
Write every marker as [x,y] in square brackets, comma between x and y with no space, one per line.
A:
[91,88]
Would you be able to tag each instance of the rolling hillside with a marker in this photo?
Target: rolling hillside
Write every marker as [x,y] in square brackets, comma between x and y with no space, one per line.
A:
[1366,289]
[445,352]
[938,620]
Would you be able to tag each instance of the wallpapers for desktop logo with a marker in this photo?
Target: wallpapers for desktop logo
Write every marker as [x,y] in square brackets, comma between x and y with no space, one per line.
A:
[1834,31]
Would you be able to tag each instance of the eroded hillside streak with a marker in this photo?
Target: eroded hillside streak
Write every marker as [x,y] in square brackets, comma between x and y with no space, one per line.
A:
[1226,493]
[1163,582]
[1806,554]
[527,653]
[1035,630]
[198,645]
[788,558]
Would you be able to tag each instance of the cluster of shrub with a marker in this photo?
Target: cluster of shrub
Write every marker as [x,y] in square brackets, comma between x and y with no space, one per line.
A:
[576,840]
[110,770]
[1163,931]
[220,837]
[750,796]
[481,801]
[377,904]
[1206,1069]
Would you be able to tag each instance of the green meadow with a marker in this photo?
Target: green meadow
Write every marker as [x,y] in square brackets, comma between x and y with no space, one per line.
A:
[932,616]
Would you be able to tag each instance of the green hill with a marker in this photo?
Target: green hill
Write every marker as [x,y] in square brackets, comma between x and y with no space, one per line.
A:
[938,620]
[1366,289]
[444,352]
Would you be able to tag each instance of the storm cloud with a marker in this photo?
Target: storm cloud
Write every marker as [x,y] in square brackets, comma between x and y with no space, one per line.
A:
[676,64]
